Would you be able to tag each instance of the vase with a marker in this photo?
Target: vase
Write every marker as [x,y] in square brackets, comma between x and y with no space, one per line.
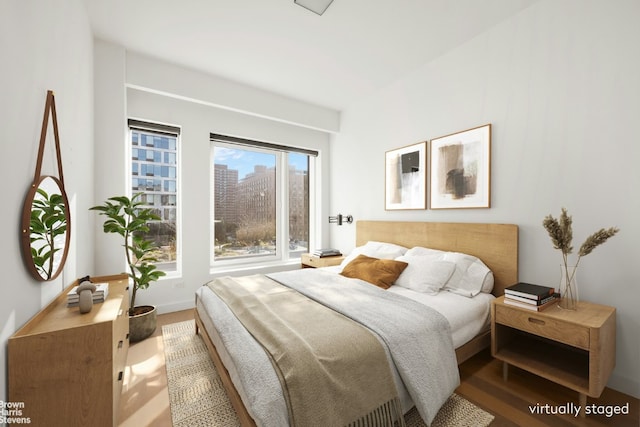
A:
[568,287]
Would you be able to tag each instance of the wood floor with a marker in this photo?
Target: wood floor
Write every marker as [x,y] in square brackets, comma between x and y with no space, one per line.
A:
[145,401]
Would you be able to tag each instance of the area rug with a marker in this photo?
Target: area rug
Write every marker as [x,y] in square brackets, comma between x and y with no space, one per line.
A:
[198,398]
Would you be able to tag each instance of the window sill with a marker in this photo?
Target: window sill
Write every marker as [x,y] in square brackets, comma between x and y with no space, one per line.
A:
[254,268]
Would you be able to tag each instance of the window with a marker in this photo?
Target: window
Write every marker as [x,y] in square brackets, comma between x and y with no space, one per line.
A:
[261,200]
[154,173]
[298,192]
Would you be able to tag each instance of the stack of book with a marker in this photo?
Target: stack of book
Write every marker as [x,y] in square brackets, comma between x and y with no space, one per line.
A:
[326,252]
[530,296]
[100,294]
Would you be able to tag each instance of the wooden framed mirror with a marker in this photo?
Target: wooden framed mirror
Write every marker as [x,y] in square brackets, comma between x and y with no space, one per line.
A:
[46,219]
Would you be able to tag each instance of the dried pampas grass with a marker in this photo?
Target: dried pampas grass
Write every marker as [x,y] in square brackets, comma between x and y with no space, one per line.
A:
[561,233]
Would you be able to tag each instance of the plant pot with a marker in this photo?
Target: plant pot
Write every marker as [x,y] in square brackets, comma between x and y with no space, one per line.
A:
[142,323]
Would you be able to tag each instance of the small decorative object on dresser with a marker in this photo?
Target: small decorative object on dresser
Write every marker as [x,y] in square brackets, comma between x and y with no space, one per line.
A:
[561,234]
[99,295]
[85,292]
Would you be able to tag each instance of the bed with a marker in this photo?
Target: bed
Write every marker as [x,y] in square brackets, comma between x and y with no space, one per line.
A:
[496,245]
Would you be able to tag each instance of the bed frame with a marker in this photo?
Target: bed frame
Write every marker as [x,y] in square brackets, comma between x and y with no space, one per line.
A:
[495,244]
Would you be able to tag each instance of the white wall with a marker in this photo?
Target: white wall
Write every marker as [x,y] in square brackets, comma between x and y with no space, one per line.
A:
[559,84]
[43,46]
[147,73]
[110,158]
[161,92]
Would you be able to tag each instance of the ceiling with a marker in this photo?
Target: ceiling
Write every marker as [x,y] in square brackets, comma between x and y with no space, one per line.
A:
[355,48]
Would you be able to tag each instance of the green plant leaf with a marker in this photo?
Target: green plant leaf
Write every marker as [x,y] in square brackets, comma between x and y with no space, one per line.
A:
[130,219]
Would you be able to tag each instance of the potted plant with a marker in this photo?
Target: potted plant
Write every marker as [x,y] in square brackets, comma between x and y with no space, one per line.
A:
[127,217]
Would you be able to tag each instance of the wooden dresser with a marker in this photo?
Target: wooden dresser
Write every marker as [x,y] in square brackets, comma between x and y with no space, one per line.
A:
[68,368]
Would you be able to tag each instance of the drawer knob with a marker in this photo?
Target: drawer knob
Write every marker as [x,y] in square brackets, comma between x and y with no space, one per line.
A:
[536,321]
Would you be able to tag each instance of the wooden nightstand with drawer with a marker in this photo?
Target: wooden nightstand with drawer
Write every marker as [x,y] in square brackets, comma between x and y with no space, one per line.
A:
[310,261]
[576,349]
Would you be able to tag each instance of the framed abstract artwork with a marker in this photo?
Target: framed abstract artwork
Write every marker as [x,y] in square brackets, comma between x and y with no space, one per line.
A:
[461,169]
[406,177]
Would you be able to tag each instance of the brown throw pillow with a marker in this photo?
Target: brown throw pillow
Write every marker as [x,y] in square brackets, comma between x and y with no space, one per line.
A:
[380,272]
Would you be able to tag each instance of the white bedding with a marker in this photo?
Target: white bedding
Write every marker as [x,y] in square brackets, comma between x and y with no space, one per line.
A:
[467,317]
[265,404]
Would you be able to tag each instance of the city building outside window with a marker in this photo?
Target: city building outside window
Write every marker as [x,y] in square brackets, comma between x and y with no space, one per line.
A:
[155,174]
[261,201]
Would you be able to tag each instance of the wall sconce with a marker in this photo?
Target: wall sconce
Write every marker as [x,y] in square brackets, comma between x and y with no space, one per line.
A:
[315,6]
[339,219]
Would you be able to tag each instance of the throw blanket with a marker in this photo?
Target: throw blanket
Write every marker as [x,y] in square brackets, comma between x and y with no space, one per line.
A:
[417,336]
[327,378]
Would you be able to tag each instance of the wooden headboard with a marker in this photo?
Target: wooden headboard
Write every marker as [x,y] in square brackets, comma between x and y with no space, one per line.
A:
[495,244]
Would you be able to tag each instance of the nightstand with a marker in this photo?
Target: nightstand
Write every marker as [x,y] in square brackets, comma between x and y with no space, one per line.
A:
[310,261]
[576,349]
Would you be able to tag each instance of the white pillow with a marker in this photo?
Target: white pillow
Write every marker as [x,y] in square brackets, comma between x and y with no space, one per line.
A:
[470,277]
[426,274]
[380,250]
[420,251]
[488,282]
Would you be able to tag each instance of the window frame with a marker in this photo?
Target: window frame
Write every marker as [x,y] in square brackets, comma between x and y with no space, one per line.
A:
[282,255]
[156,129]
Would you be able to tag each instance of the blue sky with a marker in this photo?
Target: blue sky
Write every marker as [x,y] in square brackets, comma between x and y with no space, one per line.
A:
[244,160]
